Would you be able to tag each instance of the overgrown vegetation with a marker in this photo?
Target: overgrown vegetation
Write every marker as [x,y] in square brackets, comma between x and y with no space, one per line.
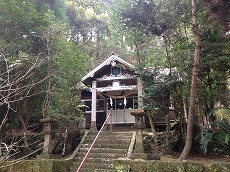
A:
[215,140]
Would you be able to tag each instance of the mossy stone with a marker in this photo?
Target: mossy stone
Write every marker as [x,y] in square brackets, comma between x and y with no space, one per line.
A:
[170,166]
[217,167]
[138,112]
[37,166]
[195,167]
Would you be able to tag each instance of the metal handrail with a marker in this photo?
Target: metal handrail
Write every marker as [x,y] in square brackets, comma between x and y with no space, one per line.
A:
[86,155]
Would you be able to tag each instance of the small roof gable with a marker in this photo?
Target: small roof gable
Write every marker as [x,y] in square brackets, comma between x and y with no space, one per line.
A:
[108,61]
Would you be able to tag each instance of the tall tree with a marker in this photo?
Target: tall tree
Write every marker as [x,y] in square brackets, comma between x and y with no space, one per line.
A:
[193,90]
[32,38]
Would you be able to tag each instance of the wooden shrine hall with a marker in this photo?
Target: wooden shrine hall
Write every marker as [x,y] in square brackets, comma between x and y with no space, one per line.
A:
[114,87]
[113,84]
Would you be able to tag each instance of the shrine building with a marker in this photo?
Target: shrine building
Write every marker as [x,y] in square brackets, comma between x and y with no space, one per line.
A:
[113,87]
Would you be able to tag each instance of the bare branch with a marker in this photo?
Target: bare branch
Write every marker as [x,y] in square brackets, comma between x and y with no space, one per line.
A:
[17,83]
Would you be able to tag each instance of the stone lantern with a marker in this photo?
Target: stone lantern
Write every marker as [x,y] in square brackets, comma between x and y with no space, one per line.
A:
[139,118]
[83,108]
[47,147]
[139,125]
[139,145]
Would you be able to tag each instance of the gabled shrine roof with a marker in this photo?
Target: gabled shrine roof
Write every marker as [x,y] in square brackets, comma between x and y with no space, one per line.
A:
[111,58]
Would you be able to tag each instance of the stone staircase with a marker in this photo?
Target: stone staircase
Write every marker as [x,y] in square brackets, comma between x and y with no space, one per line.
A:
[109,146]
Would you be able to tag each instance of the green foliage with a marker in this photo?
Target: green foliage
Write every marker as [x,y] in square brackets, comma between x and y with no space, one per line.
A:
[71,62]
[65,98]
[157,86]
[23,23]
[89,29]
[215,63]
[155,17]
[85,18]
[64,106]
[142,15]
[57,6]
[19,24]
[217,138]
[222,113]
[34,33]
[148,142]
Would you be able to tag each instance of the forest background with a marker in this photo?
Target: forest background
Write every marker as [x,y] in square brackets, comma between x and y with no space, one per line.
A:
[47,46]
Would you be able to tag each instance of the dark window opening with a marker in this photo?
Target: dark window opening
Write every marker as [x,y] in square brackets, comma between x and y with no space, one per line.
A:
[119,103]
[129,104]
[116,71]
[100,105]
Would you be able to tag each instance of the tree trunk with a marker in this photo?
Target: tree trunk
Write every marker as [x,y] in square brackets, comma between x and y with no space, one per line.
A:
[193,89]
[168,128]
[1,153]
[65,141]
[24,124]
[152,127]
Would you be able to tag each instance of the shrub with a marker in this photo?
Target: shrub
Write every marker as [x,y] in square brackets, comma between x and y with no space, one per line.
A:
[217,138]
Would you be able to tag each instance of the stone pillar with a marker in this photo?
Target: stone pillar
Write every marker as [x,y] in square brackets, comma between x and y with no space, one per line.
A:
[140,93]
[47,147]
[139,125]
[94,105]
[139,145]
[47,142]
[83,109]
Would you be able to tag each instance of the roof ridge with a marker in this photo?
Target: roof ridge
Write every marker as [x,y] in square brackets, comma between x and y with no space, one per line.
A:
[112,57]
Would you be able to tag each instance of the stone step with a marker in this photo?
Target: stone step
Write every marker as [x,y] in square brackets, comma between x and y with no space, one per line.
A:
[104,150]
[94,165]
[108,141]
[106,145]
[111,133]
[109,146]
[91,170]
[109,137]
[94,160]
[102,155]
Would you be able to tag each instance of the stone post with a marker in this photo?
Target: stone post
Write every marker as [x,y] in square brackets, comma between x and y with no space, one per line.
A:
[47,147]
[83,109]
[94,106]
[140,93]
[139,145]
[139,125]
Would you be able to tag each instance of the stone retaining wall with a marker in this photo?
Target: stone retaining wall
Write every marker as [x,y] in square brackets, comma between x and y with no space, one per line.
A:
[165,166]
[48,165]
[120,166]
